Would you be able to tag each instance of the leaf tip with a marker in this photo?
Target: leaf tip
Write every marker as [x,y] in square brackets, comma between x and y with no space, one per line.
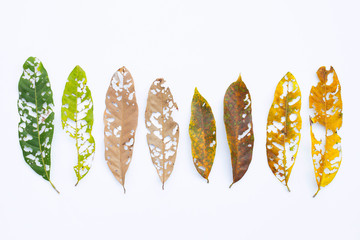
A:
[289,75]
[78,69]
[122,69]
[31,58]
[196,91]
[239,78]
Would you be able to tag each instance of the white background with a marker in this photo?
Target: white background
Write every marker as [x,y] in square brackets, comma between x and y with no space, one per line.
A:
[189,43]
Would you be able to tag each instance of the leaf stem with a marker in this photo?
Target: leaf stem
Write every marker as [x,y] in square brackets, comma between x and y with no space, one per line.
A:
[316,192]
[231,185]
[54,187]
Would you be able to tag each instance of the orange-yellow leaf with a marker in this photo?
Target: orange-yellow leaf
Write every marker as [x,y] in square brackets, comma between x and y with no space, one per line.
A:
[325,121]
[283,128]
[202,130]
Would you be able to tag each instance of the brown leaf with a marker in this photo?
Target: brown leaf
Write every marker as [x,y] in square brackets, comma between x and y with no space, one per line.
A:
[239,127]
[163,135]
[325,122]
[120,120]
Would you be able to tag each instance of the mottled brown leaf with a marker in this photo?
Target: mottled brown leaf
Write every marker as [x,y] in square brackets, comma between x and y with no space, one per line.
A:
[239,127]
[325,122]
[202,130]
[120,120]
[163,131]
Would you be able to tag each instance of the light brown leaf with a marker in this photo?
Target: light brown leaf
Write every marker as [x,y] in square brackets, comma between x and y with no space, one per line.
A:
[120,120]
[163,131]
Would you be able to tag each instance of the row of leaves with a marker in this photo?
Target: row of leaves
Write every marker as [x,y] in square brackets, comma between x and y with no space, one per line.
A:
[36,128]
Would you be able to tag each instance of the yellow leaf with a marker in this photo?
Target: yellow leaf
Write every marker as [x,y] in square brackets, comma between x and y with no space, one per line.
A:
[202,131]
[325,121]
[283,128]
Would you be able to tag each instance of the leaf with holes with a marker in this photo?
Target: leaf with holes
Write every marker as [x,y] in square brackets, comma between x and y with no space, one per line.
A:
[239,127]
[283,128]
[163,131]
[77,119]
[120,120]
[325,122]
[202,130]
[36,126]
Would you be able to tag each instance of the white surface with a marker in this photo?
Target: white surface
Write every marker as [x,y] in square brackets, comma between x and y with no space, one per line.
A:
[189,43]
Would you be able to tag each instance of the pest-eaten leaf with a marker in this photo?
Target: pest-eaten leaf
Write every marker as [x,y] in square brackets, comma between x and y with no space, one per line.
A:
[77,119]
[239,127]
[325,122]
[283,128]
[36,126]
[163,131]
[202,131]
[120,120]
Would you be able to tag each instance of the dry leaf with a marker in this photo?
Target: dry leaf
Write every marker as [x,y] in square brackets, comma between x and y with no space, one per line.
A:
[120,120]
[202,130]
[163,131]
[283,128]
[325,122]
[239,127]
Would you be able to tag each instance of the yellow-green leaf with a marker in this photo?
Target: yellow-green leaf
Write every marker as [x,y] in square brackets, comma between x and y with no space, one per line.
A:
[202,130]
[325,121]
[77,119]
[283,128]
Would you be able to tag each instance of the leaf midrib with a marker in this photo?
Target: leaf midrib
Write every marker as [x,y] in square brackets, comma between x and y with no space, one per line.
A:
[202,132]
[38,132]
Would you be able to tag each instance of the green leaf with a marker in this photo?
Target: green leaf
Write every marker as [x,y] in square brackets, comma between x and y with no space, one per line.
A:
[36,127]
[77,119]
